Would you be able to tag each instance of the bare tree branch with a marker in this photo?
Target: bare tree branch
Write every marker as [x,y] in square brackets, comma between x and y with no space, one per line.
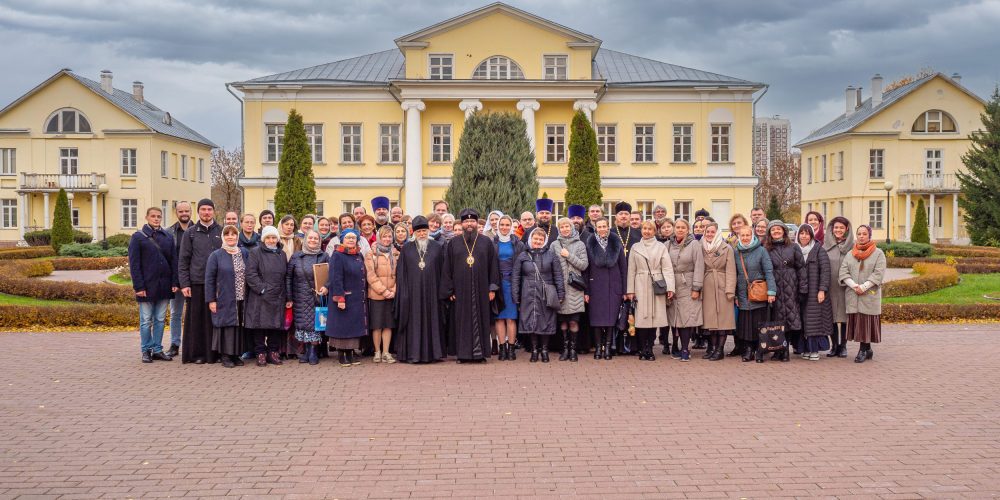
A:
[783,181]
[227,165]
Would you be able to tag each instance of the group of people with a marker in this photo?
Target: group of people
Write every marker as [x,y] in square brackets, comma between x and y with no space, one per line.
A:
[420,289]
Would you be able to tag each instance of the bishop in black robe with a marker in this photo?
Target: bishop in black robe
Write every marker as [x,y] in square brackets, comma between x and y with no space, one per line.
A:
[470,281]
[418,305]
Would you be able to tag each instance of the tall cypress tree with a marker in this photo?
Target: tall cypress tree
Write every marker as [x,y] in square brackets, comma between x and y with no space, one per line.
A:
[495,166]
[980,183]
[296,190]
[62,224]
[920,232]
[583,178]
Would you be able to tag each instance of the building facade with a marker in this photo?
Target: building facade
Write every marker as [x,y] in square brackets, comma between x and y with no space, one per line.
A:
[114,152]
[389,123]
[872,163]
[771,138]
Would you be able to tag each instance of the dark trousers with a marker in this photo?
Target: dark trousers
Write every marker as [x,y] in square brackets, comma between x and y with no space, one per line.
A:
[265,341]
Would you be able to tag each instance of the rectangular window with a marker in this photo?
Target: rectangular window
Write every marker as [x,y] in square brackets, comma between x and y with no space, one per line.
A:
[644,144]
[164,165]
[555,143]
[933,167]
[389,143]
[840,208]
[314,134]
[319,208]
[184,167]
[876,160]
[441,66]
[809,170]
[130,213]
[720,143]
[939,220]
[8,161]
[682,210]
[69,161]
[822,175]
[128,161]
[646,208]
[933,121]
[555,67]
[875,214]
[164,206]
[607,148]
[350,135]
[682,143]
[275,139]
[558,207]
[8,213]
[74,215]
[839,166]
[349,206]
[440,143]
[824,211]
[201,170]
[609,207]
[270,205]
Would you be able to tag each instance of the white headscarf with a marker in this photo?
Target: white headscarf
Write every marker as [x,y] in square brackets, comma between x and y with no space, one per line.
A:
[488,228]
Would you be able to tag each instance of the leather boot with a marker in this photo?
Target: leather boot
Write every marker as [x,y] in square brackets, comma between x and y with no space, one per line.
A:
[495,347]
[720,348]
[313,351]
[502,356]
[607,347]
[747,354]
[304,358]
[511,352]
[710,349]
[834,343]
[545,350]
[147,356]
[572,346]
[534,348]
[649,349]
[599,347]
[842,349]
[342,355]
[564,355]
[738,348]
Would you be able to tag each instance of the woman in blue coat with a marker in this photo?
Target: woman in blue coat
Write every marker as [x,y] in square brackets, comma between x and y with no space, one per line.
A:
[752,264]
[605,277]
[347,322]
[225,290]
[300,287]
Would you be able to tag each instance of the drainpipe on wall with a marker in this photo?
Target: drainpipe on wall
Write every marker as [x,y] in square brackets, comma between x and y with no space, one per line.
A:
[243,152]
[753,130]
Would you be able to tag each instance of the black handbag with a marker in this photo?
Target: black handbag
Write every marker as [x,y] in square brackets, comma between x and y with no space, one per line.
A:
[659,285]
[627,309]
[549,293]
[576,281]
[771,335]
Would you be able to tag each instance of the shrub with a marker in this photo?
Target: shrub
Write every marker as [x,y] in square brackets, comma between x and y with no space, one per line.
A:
[36,268]
[906,249]
[91,250]
[920,232]
[909,313]
[973,268]
[62,225]
[26,253]
[931,277]
[966,251]
[14,281]
[907,262]
[84,316]
[44,237]
[118,240]
[92,264]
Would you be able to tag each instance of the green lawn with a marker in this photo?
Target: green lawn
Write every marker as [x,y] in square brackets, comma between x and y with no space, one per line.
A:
[18,300]
[120,280]
[969,291]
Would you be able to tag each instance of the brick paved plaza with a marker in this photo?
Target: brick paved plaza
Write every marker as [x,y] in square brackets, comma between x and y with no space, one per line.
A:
[80,417]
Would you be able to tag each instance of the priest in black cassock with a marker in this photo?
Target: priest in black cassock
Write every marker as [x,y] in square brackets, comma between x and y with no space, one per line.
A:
[543,218]
[418,306]
[470,280]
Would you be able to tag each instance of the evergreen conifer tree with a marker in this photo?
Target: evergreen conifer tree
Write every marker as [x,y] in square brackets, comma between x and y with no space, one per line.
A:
[980,182]
[773,209]
[583,178]
[296,190]
[62,224]
[919,233]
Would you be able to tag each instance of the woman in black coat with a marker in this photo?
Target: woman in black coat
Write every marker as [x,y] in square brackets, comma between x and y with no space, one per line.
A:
[266,297]
[225,291]
[786,261]
[300,287]
[533,270]
[817,309]
[605,276]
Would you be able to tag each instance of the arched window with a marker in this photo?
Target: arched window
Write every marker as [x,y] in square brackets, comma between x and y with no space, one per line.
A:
[934,121]
[67,121]
[498,68]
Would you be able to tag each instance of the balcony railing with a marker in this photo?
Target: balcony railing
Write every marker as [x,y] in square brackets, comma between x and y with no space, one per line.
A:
[922,183]
[55,182]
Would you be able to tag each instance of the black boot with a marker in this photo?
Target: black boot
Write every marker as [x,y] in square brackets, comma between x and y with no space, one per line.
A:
[495,346]
[313,351]
[747,354]
[842,348]
[545,349]
[737,348]
[534,348]
[720,348]
[504,353]
[598,345]
[565,350]
[147,356]
[511,352]
[304,358]
[572,346]
[834,343]
[649,348]
[607,346]
[342,354]
[710,349]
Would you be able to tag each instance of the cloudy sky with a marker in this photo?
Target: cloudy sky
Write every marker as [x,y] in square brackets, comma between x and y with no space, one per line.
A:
[185,51]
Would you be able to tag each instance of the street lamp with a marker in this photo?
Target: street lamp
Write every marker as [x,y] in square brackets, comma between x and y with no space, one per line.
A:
[103,189]
[888,210]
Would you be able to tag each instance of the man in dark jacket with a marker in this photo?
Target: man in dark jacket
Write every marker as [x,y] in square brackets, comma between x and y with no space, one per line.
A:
[154,278]
[198,242]
[183,213]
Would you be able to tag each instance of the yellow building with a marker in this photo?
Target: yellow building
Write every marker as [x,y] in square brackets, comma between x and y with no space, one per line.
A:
[872,163]
[393,119]
[114,152]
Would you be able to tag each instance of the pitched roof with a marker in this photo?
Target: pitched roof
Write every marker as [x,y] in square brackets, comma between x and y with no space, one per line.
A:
[146,112]
[617,68]
[845,123]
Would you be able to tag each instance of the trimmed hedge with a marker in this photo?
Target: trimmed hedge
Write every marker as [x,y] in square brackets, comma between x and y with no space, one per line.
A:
[44,237]
[88,264]
[974,268]
[36,268]
[966,251]
[119,240]
[931,277]
[939,313]
[83,316]
[91,250]
[14,281]
[26,253]
[906,249]
[908,262]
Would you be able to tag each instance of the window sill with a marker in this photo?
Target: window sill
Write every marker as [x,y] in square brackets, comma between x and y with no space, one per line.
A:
[441,163]
[129,176]
[687,163]
[269,163]
[319,163]
[389,164]
[646,163]
[554,163]
[351,164]
[609,163]
[723,163]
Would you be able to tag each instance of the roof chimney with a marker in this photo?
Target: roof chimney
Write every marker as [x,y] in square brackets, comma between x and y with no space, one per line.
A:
[851,98]
[857,98]
[106,81]
[876,90]
[957,77]
[137,92]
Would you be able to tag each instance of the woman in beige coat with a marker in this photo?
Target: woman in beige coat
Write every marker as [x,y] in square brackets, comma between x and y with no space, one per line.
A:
[649,261]
[687,259]
[380,270]
[719,291]
[863,271]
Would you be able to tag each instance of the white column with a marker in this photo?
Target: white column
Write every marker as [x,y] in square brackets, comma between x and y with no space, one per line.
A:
[527,107]
[93,216]
[954,218]
[22,219]
[413,179]
[45,197]
[588,106]
[930,219]
[906,237]
[470,106]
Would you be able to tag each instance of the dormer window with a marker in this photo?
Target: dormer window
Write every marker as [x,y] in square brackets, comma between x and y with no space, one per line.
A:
[441,66]
[934,121]
[67,121]
[498,68]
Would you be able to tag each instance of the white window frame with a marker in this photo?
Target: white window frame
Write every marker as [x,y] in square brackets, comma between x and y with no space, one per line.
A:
[441,70]
[838,168]
[686,148]
[558,208]
[274,141]
[441,143]
[8,161]
[607,142]
[164,164]
[555,63]
[320,207]
[352,144]
[74,215]
[129,157]
[646,208]
[8,213]
[682,209]
[69,164]
[608,206]
[933,163]
[555,143]
[389,139]
[643,140]
[61,127]
[314,136]
[184,167]
[349,206]
[809,170]
[721,143]
[164,208]
[823,166]
[201,170]
[130,213]
[876,213]
[876,163]
[840,208]
[498,67]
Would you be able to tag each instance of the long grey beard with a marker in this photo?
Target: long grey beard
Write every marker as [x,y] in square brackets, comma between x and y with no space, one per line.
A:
[421,245]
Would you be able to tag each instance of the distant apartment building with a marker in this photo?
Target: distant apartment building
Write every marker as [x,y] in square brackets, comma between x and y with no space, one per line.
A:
[770,140]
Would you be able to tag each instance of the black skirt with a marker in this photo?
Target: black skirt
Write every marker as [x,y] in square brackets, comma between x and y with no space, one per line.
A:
[197,340]
[747,323]
[229,340]
[380,314]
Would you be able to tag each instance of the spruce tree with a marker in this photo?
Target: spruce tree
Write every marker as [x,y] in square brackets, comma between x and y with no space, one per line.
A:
[920,232]
[495,166]
[62,224]
[296,190]
[773,209]
[583,178]
[980,183]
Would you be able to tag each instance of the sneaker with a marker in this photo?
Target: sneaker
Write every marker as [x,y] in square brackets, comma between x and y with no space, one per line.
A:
[387,358]
[805,355]
[377,358]
[814,356]
[147,356]
[685,356]
[162,356]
